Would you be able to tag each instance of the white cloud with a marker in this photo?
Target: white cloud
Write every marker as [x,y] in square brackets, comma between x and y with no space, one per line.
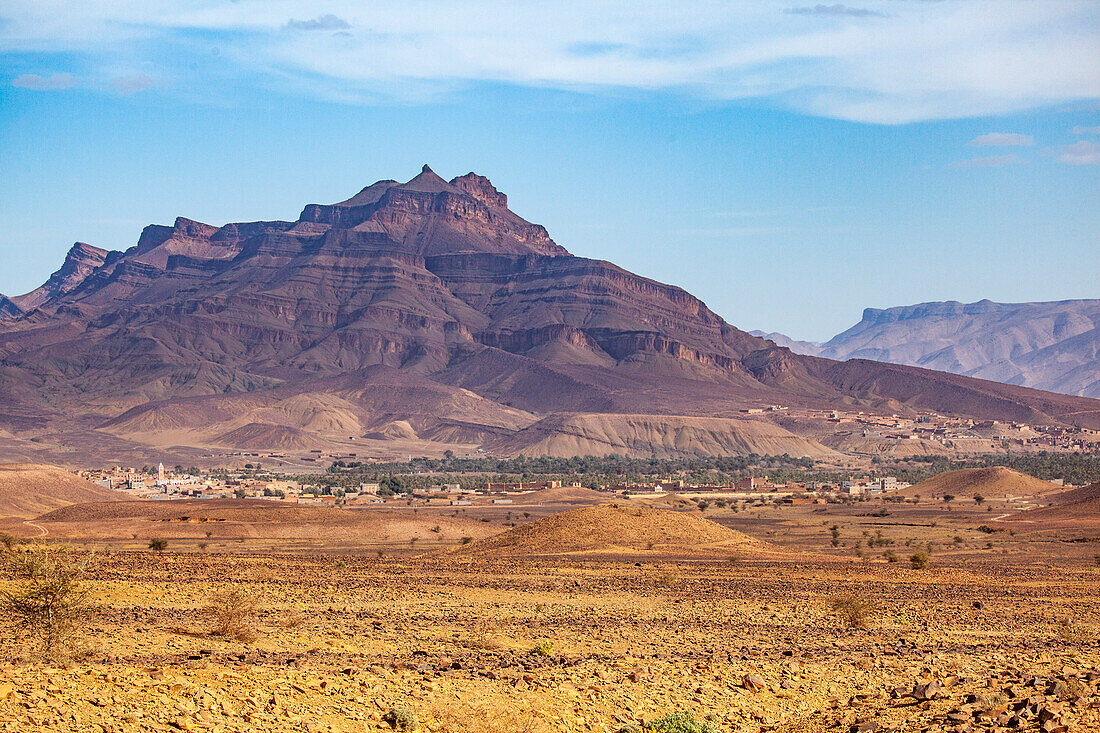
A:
[991,161]
[1080,130]
[45,83]
[927,60]
[1002,140]
[321,23]
[132,83]
[1082,152]
[835,10]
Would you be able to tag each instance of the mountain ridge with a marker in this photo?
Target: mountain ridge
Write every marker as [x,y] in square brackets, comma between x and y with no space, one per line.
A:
[289,332]
[1053,345]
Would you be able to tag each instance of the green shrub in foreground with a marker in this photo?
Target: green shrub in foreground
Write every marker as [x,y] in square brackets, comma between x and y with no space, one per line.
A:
[680,722]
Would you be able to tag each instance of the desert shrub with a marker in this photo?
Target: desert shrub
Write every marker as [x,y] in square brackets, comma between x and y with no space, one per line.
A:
[8,541]
[890,556]
[680,722]
[50,602]
[853,609]
[401,718]
[232,614]
[919,560]
[293,618]
[466,540]
[542,649]
[158,544]
[1075,632]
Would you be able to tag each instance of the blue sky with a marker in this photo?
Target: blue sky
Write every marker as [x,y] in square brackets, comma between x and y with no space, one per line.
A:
[790,163]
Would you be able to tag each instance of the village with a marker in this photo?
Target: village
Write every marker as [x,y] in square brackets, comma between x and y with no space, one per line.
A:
[163,484]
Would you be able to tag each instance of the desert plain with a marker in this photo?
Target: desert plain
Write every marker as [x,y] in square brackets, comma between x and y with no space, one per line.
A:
[587,614]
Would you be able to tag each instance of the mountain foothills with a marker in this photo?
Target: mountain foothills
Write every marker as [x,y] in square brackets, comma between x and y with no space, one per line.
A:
[1051,346]
[412,318]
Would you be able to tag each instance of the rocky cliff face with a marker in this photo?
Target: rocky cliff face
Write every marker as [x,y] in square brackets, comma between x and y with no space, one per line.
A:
[433,287]
[81,261]
[8,309]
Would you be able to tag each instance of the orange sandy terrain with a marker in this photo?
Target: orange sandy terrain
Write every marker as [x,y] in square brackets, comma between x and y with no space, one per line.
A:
[580,619]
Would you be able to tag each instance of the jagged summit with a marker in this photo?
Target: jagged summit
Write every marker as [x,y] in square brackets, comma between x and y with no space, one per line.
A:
[431,216]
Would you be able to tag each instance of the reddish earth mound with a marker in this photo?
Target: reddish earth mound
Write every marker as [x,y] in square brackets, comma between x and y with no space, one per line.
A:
[257,519]
[1076,506]
[996,481]
[617,529]
[563,495]
[1082,495]
[28,489]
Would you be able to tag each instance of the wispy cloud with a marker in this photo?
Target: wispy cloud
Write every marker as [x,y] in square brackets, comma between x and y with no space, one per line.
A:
[132,83]
[1083,152]
[837,9]
[991,161]
[328,22]
[1080,130]
[45,83]
[737,231]
[919,61]
[1002,140]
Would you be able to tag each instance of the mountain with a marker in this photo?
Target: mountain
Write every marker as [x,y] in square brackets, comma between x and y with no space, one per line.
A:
[1052,346]
[415,317]
[809,348]
[8,309]
[82,261]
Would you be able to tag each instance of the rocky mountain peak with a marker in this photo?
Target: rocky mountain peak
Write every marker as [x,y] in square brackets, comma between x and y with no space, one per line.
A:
[482,189]
[80,262]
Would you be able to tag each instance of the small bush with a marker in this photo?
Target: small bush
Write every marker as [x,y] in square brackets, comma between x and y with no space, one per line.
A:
[890,556]
[543,649]
[233,615]
[401,718]
[680,722]
[466,540]
[854,609]
[50,602]
[919,560]
[158,544]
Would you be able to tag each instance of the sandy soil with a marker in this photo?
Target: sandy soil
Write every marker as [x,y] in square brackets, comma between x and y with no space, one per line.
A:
[1007,620]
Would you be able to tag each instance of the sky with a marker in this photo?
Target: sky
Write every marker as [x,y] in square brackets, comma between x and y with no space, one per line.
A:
[790,163]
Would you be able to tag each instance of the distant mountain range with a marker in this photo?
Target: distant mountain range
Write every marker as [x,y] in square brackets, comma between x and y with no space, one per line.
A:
[411,318]
[1051,346]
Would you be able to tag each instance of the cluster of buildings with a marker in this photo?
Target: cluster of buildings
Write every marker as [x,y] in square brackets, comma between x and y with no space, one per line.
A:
[930,430]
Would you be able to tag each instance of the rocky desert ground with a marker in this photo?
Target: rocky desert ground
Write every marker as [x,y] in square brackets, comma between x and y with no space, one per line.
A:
[763,619]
